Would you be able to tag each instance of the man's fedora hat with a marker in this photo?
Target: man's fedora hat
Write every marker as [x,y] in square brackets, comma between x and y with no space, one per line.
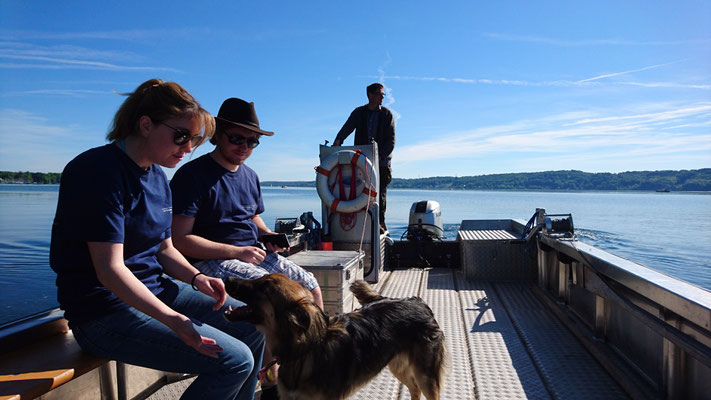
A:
[239,112]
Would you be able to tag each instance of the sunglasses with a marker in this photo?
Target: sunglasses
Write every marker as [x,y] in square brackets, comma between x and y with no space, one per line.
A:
[238,140]
[183,136]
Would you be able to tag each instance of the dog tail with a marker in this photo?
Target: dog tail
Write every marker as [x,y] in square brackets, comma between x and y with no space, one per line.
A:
[364,293]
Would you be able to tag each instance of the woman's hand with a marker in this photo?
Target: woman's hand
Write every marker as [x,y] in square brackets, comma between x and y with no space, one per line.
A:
[213,287]
[115,276]
[183,327]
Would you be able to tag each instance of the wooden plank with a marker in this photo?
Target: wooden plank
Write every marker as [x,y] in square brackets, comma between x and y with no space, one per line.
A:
[34,370]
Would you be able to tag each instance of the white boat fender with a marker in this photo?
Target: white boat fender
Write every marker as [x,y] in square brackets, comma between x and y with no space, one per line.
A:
[345,157]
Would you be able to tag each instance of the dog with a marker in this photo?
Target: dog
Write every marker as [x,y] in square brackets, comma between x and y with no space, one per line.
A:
[326,357]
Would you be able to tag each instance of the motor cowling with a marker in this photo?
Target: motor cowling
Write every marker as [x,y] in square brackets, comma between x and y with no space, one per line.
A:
[425,221]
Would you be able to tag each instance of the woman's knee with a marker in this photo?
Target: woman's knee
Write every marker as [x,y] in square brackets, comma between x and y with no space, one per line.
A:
[237,360]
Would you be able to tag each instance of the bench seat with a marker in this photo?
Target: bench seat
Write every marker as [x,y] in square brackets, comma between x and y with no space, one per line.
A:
[30,368]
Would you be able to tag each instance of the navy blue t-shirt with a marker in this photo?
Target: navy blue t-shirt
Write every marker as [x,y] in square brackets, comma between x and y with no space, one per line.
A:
[222,202]
[105,197]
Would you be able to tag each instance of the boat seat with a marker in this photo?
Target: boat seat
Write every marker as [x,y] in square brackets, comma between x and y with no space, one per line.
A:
[34,362]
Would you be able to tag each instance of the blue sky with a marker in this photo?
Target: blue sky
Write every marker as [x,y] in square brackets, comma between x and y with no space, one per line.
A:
[477,87]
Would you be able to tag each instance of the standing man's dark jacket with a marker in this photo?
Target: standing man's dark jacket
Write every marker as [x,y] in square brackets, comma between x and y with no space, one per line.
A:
[385,133]
[385,137]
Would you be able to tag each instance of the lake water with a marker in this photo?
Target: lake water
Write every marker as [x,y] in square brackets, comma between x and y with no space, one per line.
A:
[670,232]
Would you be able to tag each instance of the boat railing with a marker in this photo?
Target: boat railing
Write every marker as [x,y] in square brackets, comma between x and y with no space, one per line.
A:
[658,324]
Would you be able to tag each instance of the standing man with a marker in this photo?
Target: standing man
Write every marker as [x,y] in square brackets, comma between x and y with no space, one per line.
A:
[374,122]
[217,201]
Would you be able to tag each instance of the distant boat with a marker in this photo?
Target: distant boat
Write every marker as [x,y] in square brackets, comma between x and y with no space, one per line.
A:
[663,190]
[284,187]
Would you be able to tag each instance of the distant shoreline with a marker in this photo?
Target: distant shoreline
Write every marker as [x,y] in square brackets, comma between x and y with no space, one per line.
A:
[572,180]
[698,180]
[706,192]
[267,185]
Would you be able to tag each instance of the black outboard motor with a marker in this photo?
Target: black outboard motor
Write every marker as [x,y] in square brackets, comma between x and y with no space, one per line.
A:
[425,221]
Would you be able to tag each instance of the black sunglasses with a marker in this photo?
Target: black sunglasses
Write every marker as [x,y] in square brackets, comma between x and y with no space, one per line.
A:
[238,140]
[182,136]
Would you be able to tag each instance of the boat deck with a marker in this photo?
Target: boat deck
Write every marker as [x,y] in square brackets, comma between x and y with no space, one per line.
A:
[503,343]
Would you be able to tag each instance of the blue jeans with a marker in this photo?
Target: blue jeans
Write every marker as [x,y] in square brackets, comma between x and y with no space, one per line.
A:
[135,338]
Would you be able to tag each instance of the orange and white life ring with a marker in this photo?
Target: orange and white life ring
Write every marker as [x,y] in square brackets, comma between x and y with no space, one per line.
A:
[345,157]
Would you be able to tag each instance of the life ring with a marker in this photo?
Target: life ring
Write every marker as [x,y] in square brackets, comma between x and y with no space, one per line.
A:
[345,157]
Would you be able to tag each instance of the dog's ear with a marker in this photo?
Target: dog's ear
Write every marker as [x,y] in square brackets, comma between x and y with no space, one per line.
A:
[300,318]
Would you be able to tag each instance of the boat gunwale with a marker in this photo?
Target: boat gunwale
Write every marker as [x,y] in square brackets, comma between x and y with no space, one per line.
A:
[683,298]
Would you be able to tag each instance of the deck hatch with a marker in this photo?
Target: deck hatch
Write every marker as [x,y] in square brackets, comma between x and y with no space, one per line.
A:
[486,234]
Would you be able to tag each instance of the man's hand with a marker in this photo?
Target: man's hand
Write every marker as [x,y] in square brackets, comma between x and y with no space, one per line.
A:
[272,248]
[251,254]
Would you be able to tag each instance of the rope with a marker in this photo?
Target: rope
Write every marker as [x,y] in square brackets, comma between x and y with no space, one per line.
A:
[368,184]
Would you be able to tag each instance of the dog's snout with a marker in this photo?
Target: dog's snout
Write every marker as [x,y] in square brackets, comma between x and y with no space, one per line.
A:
[232,284]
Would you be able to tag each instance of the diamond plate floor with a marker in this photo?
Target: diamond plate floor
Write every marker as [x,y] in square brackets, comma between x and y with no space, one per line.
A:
[502,343]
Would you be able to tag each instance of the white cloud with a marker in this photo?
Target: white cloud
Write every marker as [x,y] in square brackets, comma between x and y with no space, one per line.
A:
[669,130]
[119,35]
[591,42]
[30,142]
[70,57]
[56,92]
[589,82]
[389,96]
[673,85]
[609,75]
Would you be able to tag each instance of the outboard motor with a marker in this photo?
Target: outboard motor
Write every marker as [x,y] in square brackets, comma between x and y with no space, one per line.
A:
[425,221]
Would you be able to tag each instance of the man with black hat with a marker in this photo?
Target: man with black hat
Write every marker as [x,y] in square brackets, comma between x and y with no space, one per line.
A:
[216,205]
[217,201]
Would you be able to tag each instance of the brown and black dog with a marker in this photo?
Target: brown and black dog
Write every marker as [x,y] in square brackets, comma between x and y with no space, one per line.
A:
[329,357]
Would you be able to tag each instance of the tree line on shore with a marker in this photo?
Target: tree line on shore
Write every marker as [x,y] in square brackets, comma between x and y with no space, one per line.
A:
[43,178]
[681,180]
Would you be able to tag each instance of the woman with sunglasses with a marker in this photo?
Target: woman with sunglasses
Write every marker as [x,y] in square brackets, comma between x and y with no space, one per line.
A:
[127,293]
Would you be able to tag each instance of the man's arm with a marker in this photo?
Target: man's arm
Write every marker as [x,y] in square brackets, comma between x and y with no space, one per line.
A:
[198,247]
[387,142]
[261,226]
[347,129]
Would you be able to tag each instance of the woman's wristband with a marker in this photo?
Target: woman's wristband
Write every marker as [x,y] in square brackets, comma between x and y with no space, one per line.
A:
[192,282]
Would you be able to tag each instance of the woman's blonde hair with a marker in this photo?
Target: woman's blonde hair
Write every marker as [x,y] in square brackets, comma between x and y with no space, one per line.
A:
[159,101]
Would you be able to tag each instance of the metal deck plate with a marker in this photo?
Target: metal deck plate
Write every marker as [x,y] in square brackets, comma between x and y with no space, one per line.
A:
[485,234]
[502,366]
[502,342]
[439,292]
[568,370]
